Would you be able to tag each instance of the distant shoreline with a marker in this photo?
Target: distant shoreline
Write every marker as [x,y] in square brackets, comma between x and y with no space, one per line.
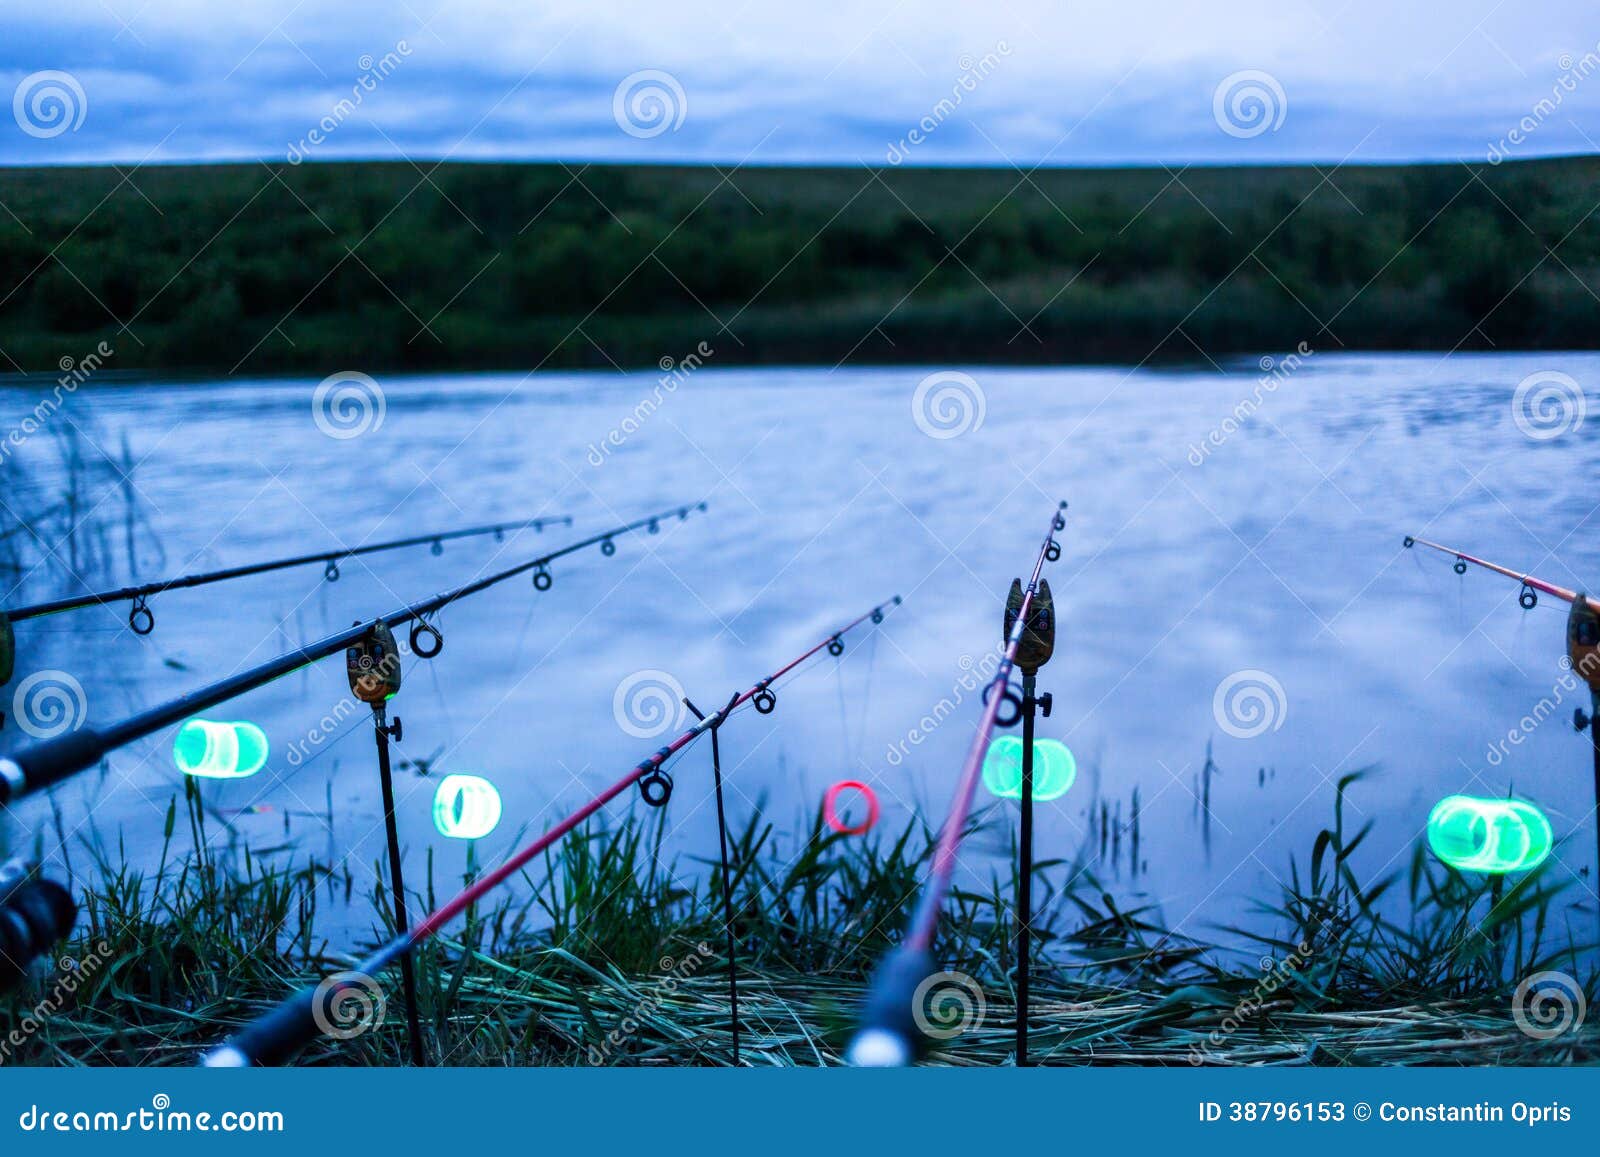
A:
[251,270]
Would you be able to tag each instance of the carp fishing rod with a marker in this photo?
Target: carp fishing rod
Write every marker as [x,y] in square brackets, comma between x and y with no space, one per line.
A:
[142,620]
[277,1035]
[889,1032]
[51,761]
[1583,642]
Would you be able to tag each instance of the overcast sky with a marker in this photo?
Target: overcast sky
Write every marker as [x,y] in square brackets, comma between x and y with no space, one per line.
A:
[841,81]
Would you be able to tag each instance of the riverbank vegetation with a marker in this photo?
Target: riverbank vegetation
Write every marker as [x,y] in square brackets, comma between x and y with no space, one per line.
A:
[611,956]
[318,268]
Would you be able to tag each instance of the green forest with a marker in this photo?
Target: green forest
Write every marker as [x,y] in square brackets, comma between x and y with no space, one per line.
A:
[256,268]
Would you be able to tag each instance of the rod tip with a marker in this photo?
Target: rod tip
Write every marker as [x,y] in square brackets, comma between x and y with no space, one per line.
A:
[1410,542]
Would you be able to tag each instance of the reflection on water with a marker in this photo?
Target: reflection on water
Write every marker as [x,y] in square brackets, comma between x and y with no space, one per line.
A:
[1239,624]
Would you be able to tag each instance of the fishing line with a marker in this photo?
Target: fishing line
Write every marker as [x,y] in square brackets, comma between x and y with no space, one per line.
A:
[279,1034]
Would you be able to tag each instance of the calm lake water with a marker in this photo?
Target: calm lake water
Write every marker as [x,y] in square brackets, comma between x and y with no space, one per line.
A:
[1197,549]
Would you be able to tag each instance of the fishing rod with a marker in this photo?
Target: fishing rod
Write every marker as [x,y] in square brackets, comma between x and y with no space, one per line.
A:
[1531,586]
[276,1036]
[889,1034]
[1583,642]
[142,620]
[49,762]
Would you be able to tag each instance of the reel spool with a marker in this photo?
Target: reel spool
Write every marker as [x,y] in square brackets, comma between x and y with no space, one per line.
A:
[373,665]
[1039,636]
[34,914]
[1583,641]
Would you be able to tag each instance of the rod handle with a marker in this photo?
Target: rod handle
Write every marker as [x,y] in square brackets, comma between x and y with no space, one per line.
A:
[273,1037]
[888,1035]
[50,762]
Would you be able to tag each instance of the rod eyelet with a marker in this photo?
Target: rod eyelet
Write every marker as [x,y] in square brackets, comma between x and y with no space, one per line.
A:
[656,788]
[877,617]
[1461,566]
[331,571]
[608,548]
[542,580]
[141,619]
[764,701]
[436,549]
[420,630]
[1008,699]
[499,534]
[1060,523]
[1529,598]
[654,527]
[1410,542]
[835,646]
[1053,551]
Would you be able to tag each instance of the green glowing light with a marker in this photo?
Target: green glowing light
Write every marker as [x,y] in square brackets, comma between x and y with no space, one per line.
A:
[1054,768]
[465,807]
[1489,835]
[214,750]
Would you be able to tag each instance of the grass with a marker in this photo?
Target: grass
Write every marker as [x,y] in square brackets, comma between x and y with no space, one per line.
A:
[608,955]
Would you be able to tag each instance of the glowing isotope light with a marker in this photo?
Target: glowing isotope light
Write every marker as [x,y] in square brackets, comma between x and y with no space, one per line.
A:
[465,807]
[1489,835]
[213,750]
[1054,768]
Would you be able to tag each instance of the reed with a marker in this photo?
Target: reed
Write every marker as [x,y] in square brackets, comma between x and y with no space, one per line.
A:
[612,954]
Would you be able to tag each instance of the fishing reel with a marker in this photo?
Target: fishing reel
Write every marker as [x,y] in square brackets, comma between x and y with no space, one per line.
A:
[35,913]
[373,666]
